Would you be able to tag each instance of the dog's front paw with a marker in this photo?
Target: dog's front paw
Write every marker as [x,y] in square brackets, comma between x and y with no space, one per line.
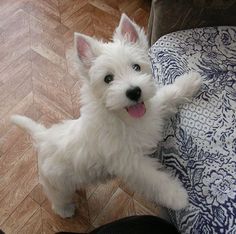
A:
[66,211]
[176,197]
[189,84]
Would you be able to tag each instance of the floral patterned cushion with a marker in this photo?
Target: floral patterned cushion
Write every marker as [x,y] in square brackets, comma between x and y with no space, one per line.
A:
[200,141]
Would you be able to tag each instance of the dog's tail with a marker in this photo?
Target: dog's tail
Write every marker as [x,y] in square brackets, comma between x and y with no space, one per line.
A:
[28,124]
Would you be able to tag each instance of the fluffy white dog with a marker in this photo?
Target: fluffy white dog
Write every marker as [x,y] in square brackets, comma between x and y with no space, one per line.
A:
[122,117]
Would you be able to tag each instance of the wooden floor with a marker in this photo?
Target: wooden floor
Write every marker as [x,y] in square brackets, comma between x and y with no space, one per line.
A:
[39,79]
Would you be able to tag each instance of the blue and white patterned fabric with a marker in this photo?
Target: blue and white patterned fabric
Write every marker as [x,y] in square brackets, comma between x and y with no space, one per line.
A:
[200,141]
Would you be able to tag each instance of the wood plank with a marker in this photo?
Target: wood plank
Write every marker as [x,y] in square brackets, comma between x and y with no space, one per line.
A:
[110,7]
[38,195]
[20,93]
[33,225]
[20,216]
[55,95]
[98,200]
[142,210]
[120,205]
[15,81]
[46,15]
[50,109]
[78,16]
[126,188]
[69,7]
[16,25]
[49,54]
[9,159]
[15,189]
[49,69]
[17,66]
[37,26]
[10,10]
[14,50]
[20,108]
[153,207]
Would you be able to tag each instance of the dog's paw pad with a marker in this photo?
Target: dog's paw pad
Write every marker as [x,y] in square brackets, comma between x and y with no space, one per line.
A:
[66,211]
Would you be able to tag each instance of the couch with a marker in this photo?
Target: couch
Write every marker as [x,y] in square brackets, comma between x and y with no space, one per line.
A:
[199,145]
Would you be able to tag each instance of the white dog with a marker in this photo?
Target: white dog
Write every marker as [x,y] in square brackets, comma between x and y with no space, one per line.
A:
[122,117]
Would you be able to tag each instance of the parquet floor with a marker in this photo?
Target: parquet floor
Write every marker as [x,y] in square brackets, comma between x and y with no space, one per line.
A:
[39,79]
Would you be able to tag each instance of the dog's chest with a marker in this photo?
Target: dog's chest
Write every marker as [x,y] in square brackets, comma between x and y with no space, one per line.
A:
[116,139]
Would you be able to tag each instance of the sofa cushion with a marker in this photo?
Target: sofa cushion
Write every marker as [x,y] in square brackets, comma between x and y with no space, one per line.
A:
[199,143]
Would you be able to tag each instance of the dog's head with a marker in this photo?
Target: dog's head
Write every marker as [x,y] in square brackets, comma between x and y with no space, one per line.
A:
[118,72]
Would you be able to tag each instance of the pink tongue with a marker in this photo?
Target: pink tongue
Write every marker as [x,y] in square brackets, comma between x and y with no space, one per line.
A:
[137,110]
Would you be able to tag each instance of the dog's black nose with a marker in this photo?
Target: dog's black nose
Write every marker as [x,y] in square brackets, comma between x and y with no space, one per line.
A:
[134,93]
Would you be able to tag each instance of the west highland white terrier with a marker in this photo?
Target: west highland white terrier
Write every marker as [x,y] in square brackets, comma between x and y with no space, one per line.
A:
[121,122]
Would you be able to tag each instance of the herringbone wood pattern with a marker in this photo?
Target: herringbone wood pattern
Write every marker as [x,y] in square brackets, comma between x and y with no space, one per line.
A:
[39,79]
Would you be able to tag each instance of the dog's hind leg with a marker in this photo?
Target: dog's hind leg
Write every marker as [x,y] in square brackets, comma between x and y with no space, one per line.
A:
[62,200]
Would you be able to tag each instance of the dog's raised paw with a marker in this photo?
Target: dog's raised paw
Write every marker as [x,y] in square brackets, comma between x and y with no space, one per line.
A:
[194,81]
[66,211]
[189,84]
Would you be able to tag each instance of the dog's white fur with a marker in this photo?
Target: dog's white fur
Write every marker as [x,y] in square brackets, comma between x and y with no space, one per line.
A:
[106,141]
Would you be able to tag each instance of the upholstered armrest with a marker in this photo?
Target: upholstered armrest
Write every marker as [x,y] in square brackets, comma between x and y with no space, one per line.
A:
[172,15]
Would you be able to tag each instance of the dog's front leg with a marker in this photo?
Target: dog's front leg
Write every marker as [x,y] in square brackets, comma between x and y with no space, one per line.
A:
[170,96]
[141,175]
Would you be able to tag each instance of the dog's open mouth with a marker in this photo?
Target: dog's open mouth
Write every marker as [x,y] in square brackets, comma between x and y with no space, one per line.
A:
[136,110]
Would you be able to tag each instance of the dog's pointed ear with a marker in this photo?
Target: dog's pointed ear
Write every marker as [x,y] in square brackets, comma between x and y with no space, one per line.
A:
[129,31]
[87,49]
[127,28]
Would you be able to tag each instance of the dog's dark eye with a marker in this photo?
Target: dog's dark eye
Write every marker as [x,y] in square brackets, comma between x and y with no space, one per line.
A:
[136,67]
[108,78]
